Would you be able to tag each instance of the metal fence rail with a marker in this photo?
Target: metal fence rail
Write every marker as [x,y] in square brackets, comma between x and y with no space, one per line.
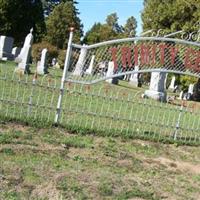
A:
[27,97]
[79,99]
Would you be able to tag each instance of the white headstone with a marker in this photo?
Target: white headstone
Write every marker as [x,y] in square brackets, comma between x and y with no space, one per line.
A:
[134,77]
[16,51]
[42,66]
[89,70]
[81,61]
[110,72]
[191,89]
[157,86]
[180,95]
[53,62]
[23,58]
[6,44]
[172,84]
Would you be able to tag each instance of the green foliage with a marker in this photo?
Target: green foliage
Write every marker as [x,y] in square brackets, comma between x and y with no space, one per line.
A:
[63,17]
[171,15]
[105,188]
[37,49]
[99,33]
[130,27]
[18,17]
[185,81]
[112,21]
[49,5]
[61,58]
[110,30]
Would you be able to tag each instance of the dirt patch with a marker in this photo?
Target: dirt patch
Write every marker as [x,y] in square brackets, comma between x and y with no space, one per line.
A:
[47,190]
[179,165]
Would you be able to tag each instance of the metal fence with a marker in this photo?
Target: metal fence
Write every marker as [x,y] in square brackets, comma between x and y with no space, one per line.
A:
[85,102]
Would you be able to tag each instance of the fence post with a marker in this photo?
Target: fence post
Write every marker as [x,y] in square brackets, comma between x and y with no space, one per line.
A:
[178,122]
[66,66]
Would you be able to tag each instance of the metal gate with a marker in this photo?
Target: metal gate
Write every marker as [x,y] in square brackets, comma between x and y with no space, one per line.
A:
[89,103]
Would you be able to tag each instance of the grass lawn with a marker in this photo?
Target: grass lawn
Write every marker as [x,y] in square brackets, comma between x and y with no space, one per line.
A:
[49,163]
[103,109]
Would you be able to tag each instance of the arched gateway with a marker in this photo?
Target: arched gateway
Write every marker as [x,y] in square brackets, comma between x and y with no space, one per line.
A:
[97,105]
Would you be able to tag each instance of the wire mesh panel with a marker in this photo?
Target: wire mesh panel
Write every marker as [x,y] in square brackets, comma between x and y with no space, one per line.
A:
[89,64]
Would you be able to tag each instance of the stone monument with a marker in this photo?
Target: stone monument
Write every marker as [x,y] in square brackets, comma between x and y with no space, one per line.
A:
[110,72]
[157,87]
[172,84]
[90,68]
[16,51]
[42,65]
[23,58]
[6,44]
[134,79]
[81,61]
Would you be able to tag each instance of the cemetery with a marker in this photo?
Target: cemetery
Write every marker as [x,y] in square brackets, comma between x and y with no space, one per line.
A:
[105,113]
[116,100]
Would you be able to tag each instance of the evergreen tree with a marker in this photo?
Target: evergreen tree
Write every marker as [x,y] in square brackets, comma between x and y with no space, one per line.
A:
[17,17]
[110,30]
[63,17]
[171,15]
[130,27]
[99,33]
[49,5]
[112,21]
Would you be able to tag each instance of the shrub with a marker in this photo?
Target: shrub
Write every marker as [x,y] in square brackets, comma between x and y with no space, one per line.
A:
[37,49]
[61,58]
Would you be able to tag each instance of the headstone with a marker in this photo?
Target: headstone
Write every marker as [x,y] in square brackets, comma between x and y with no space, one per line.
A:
[180,95]
[6,44]
[190,92]
[157,86]
[134,79]
[23,58]
[172,84]
[196,93]
[42,65]
[110,72]
[16,51]
[81,61]
[53,62]
[89,70]
[191,89]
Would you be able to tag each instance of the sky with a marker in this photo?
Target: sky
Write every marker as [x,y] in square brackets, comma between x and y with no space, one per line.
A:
[92,11]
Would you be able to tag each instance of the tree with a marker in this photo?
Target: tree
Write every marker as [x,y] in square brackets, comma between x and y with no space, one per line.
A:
[110,30]
[49,5]
[17,17]
[130,27]
[99,33]
[112,21]
[59,22]
[171,15]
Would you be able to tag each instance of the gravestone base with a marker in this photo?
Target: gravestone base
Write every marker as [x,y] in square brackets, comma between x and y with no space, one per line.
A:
[134,83]
[26,69]
[159,96]
[114,81]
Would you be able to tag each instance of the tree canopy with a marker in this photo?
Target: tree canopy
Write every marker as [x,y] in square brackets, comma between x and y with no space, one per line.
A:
[111,30]
[17,17]
[63,17]
[49,5]
[171,15]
